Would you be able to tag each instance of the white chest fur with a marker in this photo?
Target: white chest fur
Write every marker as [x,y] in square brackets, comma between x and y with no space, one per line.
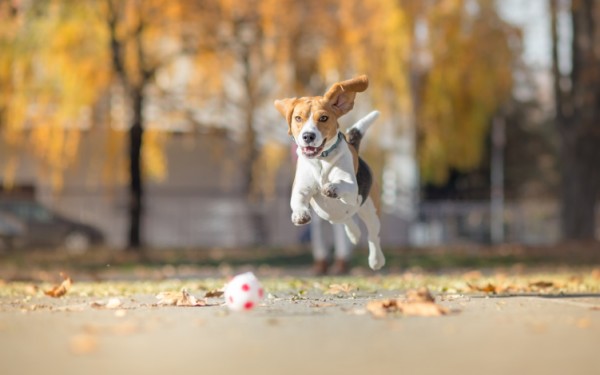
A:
[314,177]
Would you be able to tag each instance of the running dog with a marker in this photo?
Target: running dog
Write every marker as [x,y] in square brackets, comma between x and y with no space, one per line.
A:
[330,176]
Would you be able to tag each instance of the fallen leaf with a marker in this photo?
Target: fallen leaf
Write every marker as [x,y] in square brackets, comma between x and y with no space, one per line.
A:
[62,289]
[422,309]
[419,295]
[183,298]
[542,284]
[489,288]
[381,308]
[340,288]
[418,303]
[214,294]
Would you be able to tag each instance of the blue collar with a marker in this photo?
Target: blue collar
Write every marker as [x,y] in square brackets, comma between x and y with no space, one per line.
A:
[326,153]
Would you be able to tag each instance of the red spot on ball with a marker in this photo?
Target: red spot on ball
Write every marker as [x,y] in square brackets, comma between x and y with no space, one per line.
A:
[248,305]
[245,287]
[261,292]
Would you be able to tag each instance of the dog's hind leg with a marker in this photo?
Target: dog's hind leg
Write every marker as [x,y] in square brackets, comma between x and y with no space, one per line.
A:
[352,231]
[368,215]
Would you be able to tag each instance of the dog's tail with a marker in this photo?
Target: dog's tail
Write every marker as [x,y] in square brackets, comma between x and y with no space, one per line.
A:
[356,132]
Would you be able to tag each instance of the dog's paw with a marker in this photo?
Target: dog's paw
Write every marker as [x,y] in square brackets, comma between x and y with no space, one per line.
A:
[329,190]
[301,217]
[376,260]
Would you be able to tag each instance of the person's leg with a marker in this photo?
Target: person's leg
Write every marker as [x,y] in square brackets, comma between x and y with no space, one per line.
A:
[343,249]
[319,248]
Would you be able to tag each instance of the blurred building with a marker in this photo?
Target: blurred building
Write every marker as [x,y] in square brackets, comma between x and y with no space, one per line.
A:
[198,205]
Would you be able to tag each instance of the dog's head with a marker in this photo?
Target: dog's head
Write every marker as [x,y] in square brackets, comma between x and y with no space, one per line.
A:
[313,121]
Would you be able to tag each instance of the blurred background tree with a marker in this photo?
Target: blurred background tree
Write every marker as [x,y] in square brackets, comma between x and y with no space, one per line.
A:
[577,98]
[460,96]
[50,77]
[143,38]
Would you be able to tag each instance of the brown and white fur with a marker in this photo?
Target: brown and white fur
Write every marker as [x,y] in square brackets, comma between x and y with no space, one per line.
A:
[329,175]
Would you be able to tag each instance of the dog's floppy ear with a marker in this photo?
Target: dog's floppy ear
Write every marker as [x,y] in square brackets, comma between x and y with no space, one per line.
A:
[341,95]
[286,107]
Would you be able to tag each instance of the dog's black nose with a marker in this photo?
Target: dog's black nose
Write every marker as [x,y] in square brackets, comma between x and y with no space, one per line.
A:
[308,137]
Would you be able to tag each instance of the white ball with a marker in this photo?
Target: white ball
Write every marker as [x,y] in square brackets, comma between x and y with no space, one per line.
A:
[243,292]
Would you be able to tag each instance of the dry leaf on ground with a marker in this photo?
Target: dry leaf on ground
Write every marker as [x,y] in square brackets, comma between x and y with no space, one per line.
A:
[381,308]
[62,289]
[419,295]
[418,303]
[423,309]
[340,288]
[214,294]
[489,288]
[542,284]
[183,298]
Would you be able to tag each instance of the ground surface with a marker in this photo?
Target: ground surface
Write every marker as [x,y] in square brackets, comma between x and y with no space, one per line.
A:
[511,319]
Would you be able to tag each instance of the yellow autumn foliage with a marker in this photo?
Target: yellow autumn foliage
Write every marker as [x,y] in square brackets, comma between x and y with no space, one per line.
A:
[445,65]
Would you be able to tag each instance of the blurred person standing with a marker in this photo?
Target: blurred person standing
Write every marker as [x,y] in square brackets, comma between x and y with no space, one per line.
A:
[322,250]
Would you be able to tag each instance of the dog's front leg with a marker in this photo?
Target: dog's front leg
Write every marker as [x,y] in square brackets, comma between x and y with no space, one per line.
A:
[340,183]
[303,190]
[345,191]
[300,207]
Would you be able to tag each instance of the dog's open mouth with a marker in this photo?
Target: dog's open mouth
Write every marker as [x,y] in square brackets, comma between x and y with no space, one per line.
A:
[311,152]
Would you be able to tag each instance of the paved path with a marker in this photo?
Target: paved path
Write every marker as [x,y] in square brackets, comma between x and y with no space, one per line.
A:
[309,334]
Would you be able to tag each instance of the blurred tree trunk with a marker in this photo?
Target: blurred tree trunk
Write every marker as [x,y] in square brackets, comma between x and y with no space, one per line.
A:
[577,96]
[134,78]
[135,171]
[252,63]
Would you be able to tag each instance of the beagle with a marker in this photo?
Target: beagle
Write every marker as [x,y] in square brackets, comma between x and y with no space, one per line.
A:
[330,176]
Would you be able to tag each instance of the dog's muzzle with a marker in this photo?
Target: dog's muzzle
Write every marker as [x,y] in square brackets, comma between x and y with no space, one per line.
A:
[311,151]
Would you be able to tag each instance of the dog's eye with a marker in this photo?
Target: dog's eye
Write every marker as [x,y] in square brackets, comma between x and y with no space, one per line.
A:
[298,118]
[323,118]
